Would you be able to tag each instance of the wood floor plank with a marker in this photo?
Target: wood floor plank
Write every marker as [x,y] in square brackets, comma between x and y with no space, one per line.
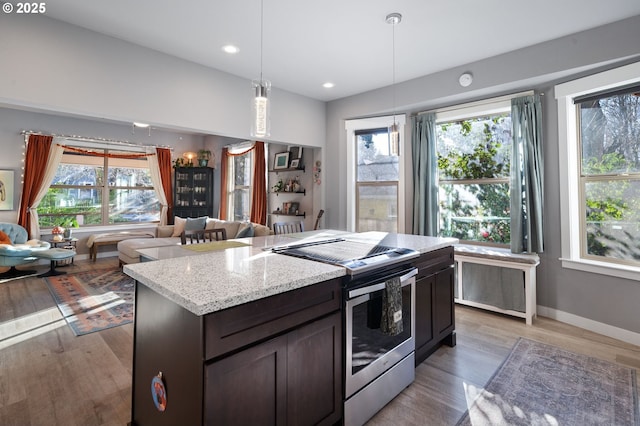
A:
[51,377]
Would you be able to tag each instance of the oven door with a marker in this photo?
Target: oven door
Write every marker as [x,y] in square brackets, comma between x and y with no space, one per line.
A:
[369,351]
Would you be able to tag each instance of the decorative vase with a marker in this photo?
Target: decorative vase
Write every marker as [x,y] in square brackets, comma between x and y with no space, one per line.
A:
[202,162]
[57,232]
[67,233]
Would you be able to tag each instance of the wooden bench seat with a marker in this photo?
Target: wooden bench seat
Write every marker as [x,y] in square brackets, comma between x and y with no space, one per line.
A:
[98,240]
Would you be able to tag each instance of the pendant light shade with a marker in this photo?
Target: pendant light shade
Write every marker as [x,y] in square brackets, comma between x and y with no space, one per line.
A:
[394,139]
[394,134]
[260,108]
[260,111]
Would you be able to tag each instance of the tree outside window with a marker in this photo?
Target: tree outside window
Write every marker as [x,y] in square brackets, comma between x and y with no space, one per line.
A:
[609,142]
[473,165]
[78,190]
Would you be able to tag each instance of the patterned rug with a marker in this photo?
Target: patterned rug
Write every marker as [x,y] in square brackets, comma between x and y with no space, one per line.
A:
[539,384]
[94,300]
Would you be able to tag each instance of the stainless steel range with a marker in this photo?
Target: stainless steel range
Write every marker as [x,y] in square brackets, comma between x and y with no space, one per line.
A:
[378,365]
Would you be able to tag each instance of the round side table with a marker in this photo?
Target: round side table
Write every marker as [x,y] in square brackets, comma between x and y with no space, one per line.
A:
[67,243]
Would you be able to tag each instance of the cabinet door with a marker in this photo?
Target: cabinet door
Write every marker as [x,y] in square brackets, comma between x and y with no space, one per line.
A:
[293,379]
[314,373]
[424,315]
[435,320]
[248,388]
[443,319]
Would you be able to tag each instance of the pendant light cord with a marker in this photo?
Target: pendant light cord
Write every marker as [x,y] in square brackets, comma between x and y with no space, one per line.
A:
[261,35]
[393,55]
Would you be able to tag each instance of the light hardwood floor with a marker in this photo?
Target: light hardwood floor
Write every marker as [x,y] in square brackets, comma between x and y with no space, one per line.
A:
[50,377]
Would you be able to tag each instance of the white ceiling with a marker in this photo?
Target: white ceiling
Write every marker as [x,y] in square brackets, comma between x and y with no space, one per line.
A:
[347,42]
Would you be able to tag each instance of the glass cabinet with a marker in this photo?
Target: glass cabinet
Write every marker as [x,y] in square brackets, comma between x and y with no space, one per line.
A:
[193,192]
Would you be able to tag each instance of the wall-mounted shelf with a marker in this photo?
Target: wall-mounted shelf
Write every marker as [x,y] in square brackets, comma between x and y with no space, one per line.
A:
[299,169]
[303,214]
[303,192]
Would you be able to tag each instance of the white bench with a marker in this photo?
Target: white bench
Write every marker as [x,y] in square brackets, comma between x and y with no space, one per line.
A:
[501,258]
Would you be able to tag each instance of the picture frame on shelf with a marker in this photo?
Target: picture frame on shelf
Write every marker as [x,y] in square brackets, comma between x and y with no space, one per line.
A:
[281,161]
[295,163]
[295,152]
[285,207]
[294,207]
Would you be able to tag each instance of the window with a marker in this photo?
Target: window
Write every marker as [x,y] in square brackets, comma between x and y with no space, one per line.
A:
[599,123]
[240,171]
[609,143]
[375,192]
[473,165]
[377,182]
[81,192]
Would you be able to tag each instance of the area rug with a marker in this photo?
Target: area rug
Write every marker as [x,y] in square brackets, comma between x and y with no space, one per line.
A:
[213,245]
[539,384]
[94,300]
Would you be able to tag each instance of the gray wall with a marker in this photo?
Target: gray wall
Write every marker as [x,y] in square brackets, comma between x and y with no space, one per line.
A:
[52,66]
[603,299]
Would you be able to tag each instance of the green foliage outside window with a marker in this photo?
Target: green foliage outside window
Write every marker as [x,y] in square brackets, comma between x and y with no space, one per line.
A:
[474,164]
[610,170]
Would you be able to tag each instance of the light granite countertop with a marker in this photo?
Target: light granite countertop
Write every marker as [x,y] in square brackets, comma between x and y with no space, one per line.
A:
[208,282]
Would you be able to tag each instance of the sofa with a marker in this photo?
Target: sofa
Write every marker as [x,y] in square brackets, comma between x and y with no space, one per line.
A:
[168,235]
[16,250]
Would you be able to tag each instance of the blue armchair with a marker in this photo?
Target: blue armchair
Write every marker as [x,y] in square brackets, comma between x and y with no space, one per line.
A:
[20,252]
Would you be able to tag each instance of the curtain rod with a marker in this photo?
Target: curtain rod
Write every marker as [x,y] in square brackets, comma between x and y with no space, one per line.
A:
[479,102]
[91,139]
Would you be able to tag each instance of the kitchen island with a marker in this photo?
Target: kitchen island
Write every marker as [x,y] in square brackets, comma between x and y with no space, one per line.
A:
[243,335]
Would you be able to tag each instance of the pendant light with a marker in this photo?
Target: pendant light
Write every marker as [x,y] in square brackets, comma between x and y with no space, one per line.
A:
[260,110]
[394,133]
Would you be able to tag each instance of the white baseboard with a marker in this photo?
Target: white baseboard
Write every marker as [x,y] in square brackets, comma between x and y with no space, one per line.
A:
[591,325]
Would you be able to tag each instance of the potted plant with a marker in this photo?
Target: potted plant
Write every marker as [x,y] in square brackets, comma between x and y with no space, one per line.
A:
[179,163]
[204,155]
[68,223]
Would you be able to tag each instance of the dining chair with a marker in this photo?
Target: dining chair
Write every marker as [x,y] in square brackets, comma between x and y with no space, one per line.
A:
[201,235]
[317,225]
[287,227]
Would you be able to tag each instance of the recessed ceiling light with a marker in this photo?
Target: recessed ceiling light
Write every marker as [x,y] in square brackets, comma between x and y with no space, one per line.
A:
[328,85]
[229,48]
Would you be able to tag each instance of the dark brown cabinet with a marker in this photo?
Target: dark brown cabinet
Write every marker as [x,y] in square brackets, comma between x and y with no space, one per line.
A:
[287,380]
[193,192]
[435,318]
[276,360]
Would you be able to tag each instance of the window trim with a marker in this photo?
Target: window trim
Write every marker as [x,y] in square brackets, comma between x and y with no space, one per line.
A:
[568,164]
[352,126]
[104,189]
[231,186]
[471,110]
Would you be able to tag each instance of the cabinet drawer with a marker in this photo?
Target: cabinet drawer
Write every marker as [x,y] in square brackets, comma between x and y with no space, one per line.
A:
[434,261]
[237,327]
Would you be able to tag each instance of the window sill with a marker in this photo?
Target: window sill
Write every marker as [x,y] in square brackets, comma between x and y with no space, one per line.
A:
[603,268]
[107,228]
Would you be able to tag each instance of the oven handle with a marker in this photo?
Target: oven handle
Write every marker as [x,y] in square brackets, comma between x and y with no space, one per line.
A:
[380,286]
